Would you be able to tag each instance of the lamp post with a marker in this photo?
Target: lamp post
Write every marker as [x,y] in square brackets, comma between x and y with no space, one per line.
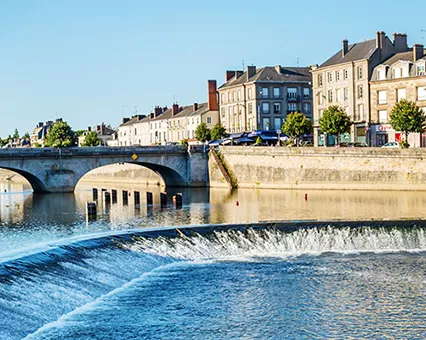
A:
[279,141]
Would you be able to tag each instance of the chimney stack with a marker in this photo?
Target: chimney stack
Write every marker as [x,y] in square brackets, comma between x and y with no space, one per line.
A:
[238,74]
[98,128]
[157,111]
[229,75]
[380,38]
[212,96]
[345,47]
[125,120]
[89,129]
[251,71]
[40,124]
[418,51]
[195,107]
[175,109]
[400,42]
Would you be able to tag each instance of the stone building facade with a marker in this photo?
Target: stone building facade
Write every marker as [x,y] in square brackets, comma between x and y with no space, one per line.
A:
[260,99]
[343,80]
[400,77]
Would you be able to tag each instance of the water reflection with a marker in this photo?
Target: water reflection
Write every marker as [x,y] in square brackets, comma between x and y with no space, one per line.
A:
[27,218]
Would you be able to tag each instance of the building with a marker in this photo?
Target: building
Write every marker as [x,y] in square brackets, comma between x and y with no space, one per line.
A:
[402,76]
[170,125]
[343,80]
[260,99]
[40,132]
[105,134]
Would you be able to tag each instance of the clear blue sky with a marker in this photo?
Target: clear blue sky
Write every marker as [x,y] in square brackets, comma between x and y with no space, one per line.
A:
[83,60]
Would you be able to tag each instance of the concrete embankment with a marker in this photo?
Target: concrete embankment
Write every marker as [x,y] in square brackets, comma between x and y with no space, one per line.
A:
[324,168]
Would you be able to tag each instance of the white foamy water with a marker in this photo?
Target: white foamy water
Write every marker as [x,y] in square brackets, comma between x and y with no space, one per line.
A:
[264,243]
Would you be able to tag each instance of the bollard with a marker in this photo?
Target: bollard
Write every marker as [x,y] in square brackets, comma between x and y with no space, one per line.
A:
[137,198]
[90,211]
[149,198]
[125,197]
[178,200]
[95,194]
[106,197]
[114,196]
[163,199]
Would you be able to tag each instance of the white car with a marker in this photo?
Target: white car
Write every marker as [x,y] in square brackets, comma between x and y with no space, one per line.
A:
[391,145]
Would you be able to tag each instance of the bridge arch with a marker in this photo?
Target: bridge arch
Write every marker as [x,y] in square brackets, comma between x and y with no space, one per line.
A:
[36,183]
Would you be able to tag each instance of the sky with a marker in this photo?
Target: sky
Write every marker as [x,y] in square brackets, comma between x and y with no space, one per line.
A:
[98,61]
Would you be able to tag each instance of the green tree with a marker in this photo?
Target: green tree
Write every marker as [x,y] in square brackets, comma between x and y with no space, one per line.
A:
[335,121]
[15,134]
[91,139]
[60,135]
[202,132]
[79,133]
[407,117]
[26,135]
[295,125]
[218,132]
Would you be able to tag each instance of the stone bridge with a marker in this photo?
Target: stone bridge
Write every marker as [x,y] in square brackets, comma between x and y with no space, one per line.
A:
[59,170]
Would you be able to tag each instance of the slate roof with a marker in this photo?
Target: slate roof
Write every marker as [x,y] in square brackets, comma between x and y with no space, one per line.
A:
[409,56]
[271,74]
[357,51]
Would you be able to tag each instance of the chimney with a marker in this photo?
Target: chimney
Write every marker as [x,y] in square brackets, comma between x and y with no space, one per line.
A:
[251,71]
[238,74]
[212,96]
[175,109]
[164,109]
[380,39]
[195,107]
[418,51]
[400,42]
[151,115]
[98,128]
[157,111]
[344,47]
[140,117]
[40,124]
[125,120]
[89,129]
[229,75]
[278,68]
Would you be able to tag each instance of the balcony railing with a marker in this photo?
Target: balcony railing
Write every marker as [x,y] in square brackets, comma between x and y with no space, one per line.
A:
[293,97]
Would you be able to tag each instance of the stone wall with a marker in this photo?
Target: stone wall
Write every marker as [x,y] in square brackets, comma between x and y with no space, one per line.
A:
[325,168]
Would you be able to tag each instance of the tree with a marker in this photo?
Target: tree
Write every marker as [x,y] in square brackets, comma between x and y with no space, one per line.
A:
[91,139]
[218,132]
[407,117]
[295,125]
[15,134]
[335,121]
[79,133]
[202,132]
[26,135]
[60,135]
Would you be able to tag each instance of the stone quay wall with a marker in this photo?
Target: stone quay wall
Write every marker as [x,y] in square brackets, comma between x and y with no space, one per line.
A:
[325,168]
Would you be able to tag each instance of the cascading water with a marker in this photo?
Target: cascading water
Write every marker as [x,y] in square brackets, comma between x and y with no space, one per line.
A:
[36,293]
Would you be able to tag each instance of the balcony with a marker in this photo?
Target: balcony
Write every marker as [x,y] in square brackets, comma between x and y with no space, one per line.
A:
[293,97]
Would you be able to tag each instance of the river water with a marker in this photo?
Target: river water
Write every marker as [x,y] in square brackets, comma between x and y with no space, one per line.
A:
[62,276]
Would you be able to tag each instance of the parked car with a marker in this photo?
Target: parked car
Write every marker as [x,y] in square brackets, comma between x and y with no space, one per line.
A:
[391,145]
[360,145]
[344,145]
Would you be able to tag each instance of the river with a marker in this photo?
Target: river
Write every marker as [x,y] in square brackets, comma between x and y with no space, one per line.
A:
[61,278]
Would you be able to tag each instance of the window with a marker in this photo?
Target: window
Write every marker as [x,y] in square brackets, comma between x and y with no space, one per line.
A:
[345,74]
[383,116]
[421,93]
[265,123]
[249,93]
[360,72]
[360,111]
[306,93]
[421,70]
[319,80]
[292,107]
[401,94]
[337,75]
[276,92]
[397,72]
[277,123]
[265,92]
[265,107]
[250,108]
[277,108]
[233,96]
[307,108]
[229,97]
[330,77]
[209,120]
[381,74]
[338,95]
[346,93]
[360,92]
[222,97]
[381,96]
[330,96]
[239,95]
[291,93]
[320,97]
[136,131]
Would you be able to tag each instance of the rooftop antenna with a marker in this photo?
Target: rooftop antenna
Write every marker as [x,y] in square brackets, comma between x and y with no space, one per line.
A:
[298,59]
[243,65]
[174,99]
[423,31]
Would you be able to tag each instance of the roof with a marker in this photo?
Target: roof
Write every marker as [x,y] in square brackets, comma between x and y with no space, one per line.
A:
[357,51]
[408,56]
[272,74]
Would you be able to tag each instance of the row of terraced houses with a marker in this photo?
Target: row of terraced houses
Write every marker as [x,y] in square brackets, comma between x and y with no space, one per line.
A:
[366,79]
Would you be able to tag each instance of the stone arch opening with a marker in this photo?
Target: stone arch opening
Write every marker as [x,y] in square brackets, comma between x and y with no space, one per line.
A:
[36,184]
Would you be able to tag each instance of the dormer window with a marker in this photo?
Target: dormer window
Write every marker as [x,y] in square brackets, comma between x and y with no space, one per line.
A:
[381,73]
[420,69]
